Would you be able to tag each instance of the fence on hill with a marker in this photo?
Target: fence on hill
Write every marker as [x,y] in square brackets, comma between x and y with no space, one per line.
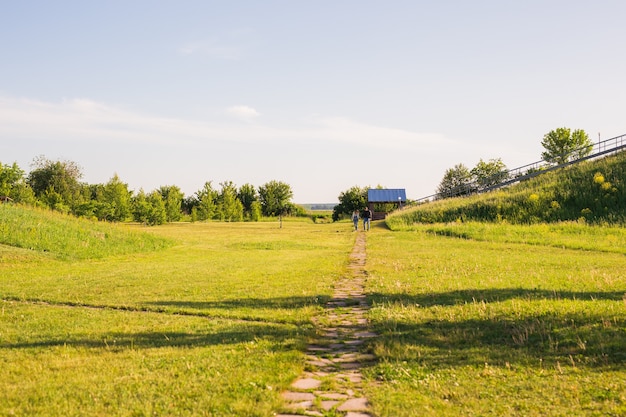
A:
[599,149]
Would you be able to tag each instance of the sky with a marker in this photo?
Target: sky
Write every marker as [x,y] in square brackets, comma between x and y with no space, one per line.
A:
[322,95]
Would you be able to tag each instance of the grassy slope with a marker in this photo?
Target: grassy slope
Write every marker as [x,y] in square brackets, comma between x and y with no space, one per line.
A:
[68,237]
[592,191]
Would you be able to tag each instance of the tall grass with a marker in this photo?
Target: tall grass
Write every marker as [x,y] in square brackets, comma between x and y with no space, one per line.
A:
[65,236]
[570,235]
[591,191]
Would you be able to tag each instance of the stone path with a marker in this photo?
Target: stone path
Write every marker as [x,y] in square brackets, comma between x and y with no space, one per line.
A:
[332,382]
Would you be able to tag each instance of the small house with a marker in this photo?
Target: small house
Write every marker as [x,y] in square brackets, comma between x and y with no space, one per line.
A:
[381,201]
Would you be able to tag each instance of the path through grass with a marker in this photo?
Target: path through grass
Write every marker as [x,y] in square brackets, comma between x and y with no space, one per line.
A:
[471,320]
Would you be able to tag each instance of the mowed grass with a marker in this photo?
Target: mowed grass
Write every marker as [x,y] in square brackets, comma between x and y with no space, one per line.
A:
[497,322]
[213,318]
[214,323]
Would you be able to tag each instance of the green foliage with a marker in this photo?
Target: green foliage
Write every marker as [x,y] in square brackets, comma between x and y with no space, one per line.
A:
[110,202]
[455,181]
[487,174]
[562,145]
[275,198]
[593,192]
[229,208]
[247,194]
[149,209]
[118,197]
[56,183]
[10,175]
[13,184]
[207,198]
[255,211]
[172,198]
[460,180]
[355,198]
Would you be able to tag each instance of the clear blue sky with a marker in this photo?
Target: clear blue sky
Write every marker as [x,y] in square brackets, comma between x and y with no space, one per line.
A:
[322,95]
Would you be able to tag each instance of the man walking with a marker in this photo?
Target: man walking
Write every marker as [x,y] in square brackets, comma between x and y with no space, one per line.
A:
[366,218]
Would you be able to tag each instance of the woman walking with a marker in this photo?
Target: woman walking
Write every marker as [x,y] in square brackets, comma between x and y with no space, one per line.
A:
[355,219]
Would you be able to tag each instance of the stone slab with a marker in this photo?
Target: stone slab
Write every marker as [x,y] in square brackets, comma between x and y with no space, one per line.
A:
[307,383]
[354,404]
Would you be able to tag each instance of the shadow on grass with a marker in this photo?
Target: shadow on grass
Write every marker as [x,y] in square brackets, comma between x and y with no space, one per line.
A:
[282,337]
[491,295]
[460,337]
[286,303]
[231,322]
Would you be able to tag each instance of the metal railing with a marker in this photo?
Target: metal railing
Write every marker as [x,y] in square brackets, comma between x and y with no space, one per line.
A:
[505,178]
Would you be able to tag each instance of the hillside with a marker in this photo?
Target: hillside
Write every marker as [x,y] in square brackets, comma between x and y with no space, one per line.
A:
[67,237]
[592,191]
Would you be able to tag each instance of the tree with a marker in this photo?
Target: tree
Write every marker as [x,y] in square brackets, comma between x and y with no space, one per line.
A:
[13,184]
[93,203]
[9,176]
[487,174]
[56,183]
[117,195]
[561,145]
[207,202]
[229,207]
[173,199]
[255,211]
[275,198]
[158,208]
[355,198]
[247,195]
[149,209]
[456,181]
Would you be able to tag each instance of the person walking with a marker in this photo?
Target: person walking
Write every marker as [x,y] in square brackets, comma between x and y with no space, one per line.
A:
[366,218]
[355,219]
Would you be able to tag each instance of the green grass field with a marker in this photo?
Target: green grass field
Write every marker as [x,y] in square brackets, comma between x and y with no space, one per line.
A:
[488,320]
[213,318]
[214,323]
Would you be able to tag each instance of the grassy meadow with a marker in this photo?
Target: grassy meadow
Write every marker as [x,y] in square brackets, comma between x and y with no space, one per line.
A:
[208,319]
[491,320]
[193,319]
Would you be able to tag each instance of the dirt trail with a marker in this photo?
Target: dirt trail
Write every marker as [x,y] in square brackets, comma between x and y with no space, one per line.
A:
[333,379]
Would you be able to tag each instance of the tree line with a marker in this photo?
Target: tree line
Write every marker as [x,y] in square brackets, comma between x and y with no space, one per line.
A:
[57,185]
[561,146]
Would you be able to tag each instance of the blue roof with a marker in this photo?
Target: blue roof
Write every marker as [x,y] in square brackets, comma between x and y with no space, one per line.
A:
[388,195]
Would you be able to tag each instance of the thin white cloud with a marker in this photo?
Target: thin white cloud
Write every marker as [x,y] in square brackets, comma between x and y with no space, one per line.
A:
[243,112]
[346,130]
[75,120]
